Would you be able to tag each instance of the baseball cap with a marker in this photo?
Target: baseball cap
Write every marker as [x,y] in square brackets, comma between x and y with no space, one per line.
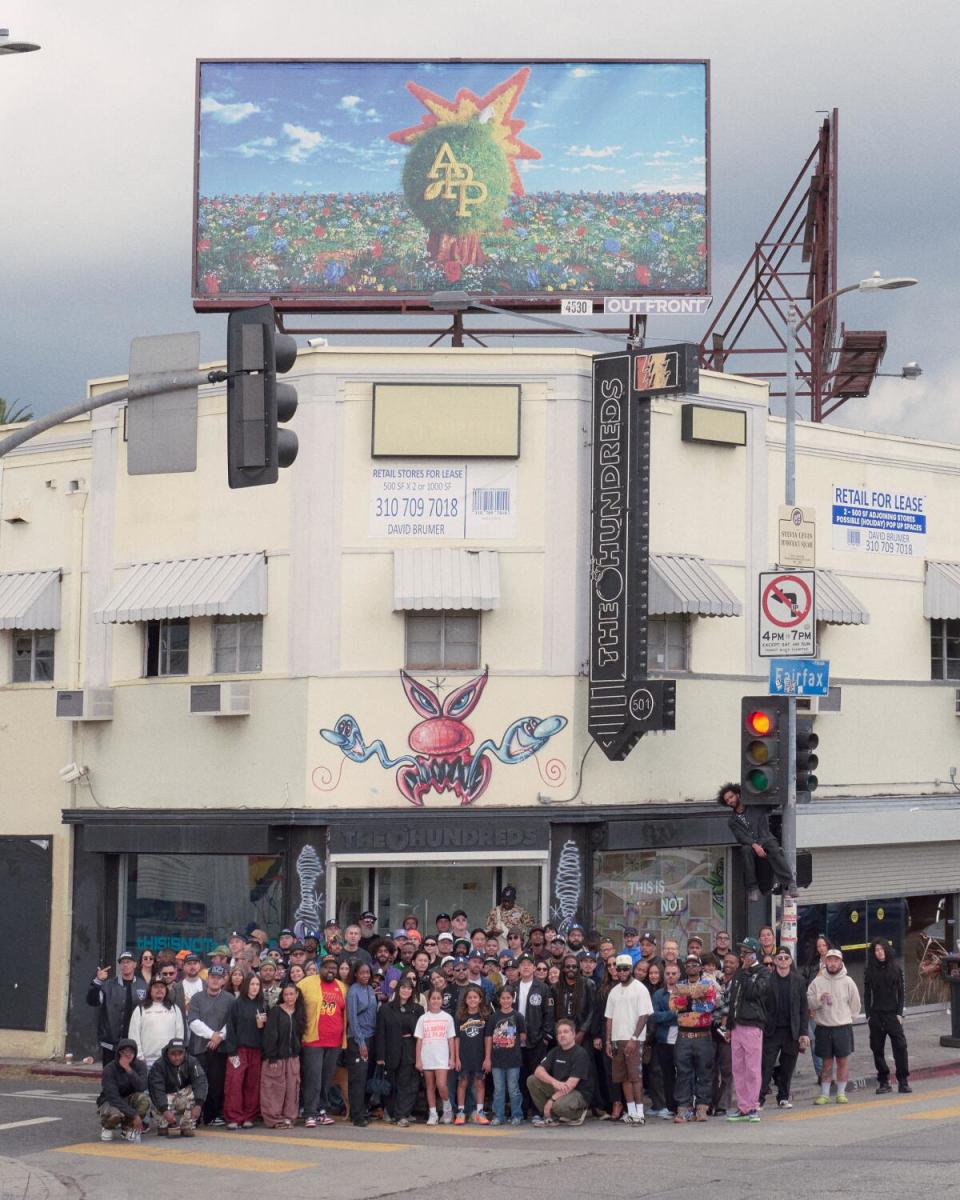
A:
[220,951]
[559,938]
[459,961]
[523,958]
[693,958]
[175,1044]
[457,912]
[285,933]
[217,972]
[447,958]
[368,916]
[236,934]
[297,946]
[834,954]
[647,936]
[446,936]
[629,931]
[494,962]
[695,937]
[624,960]
[442,917]
[576,926]
[191,957]
[399,933]
[477,954]
[126,954]
[752,945]
[508,964]
[331,924]
[464,942]
[509,892]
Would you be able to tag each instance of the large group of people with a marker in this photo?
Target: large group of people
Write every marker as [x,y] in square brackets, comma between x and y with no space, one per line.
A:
[502,1023]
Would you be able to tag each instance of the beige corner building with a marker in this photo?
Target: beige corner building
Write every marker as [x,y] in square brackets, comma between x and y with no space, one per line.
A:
[365,687]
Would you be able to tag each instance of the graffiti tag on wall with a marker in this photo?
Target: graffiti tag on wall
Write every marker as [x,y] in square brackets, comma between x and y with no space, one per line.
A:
[306,920]
[443,758]
[566,887]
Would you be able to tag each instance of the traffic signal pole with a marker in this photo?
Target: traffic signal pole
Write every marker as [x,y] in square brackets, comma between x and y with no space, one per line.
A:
[788,837]
[148,385]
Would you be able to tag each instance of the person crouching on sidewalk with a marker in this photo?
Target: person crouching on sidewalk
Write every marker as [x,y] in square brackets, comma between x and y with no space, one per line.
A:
[178,1088]
[123,1102]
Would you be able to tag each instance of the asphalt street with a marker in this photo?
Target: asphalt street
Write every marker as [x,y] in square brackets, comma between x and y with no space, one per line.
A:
[873,1147]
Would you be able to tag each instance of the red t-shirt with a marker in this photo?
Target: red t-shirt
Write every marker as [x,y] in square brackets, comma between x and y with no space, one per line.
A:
[326,1011]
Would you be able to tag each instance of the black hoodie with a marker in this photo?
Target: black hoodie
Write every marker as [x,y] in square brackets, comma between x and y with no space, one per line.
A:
[165,1078]
[116,1084]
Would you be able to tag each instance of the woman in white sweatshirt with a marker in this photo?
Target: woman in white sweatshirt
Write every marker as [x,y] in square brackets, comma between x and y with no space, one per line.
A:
[155,1022]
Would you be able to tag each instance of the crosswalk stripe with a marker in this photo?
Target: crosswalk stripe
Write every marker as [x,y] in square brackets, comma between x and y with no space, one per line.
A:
[31,1121]
[859,1105]
[483,1131]
[319,1142]
[178,1154]
[932,1114]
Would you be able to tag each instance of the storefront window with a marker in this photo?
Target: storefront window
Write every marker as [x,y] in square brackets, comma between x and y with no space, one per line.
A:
[915,925]
[675,892]
[192,901]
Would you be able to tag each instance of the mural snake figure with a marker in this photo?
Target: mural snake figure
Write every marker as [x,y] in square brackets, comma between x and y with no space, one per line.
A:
[443,759]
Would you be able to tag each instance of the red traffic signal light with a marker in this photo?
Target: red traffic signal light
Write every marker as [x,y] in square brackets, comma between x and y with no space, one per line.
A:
[763,728]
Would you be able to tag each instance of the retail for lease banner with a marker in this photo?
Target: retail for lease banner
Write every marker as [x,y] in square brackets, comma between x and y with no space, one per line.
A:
[442,499]
[873,520]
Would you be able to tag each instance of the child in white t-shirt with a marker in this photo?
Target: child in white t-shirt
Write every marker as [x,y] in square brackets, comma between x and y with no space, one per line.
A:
[436,1034]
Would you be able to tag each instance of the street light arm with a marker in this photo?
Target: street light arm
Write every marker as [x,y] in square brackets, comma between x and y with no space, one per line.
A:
[853,287]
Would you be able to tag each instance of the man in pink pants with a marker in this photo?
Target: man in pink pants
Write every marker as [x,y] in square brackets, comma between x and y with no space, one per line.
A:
[750,1000]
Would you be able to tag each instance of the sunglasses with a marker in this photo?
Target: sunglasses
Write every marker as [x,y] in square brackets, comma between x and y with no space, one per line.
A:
[542,970]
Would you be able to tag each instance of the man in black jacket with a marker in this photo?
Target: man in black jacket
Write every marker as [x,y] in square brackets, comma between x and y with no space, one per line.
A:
[116,1000]
[785,1034]
[123,1102]
[535,1003]
[883,999]
[751,828]
[747,1018]
[178,1088]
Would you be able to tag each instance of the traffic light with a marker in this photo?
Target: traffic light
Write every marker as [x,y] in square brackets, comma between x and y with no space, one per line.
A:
[256,402]
[807,761]
[763,733]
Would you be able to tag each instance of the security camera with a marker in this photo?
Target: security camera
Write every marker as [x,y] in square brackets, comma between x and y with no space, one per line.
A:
[317,341]
[72,772]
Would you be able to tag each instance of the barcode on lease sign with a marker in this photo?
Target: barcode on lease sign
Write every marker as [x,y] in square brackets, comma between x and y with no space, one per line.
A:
[491,500]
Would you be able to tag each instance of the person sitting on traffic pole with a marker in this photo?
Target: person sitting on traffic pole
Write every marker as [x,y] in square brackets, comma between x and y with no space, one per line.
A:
[750,825]
[178,1088]
[123,1102]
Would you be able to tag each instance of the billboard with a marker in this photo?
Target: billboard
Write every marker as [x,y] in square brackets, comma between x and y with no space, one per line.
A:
[342,185]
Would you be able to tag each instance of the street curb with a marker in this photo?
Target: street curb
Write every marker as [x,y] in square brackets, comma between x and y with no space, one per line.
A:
[67,1071]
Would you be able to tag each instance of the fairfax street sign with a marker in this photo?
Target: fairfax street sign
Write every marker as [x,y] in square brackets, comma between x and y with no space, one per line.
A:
[799,677]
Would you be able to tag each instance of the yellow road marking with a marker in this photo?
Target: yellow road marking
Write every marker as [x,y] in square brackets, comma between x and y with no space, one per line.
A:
[179,1155]
[320,1142]
[859,1105]
[932,1114]
[459,1130]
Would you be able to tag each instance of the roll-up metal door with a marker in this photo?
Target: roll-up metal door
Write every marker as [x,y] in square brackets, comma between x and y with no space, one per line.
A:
[852,873]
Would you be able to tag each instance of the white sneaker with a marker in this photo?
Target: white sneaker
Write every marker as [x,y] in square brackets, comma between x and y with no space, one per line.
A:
[131,1135]
[433,1119]
[784,1104]
[447,1118]
[106,1135]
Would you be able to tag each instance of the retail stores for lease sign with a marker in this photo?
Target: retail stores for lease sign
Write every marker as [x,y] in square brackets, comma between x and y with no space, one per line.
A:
[873,520]
[442,499]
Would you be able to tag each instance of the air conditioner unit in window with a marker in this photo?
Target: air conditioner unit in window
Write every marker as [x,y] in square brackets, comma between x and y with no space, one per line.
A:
[220,699]
[820,706]
[89,704]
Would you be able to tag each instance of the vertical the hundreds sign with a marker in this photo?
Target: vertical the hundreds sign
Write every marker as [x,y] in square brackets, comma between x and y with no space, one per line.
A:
[623,703]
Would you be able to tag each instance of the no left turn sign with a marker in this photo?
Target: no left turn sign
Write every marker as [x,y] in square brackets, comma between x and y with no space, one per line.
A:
[787,614]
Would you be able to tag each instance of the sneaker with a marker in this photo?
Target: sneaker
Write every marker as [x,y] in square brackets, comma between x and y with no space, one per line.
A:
[549,1122]
[188,1131]
[682,1118]
[665,1114]
[784,1104]
[247,1125]
[536,1120]
[516,1120]
[601,1114]
[496,1121]
[447,1118]
[106,1135]
[479,1118]
[754,1115]
[904,1088]
[402,1123]
[719,1112]
[310,1123]
[218,1121]
[822,1099]
[323,1119]
[433,1119]
[738,1116]
[580,1120]
[361,1122]
[841,1098]
[233,1125]
[753,894]
[460,1118]
[883,1089]
[130,1135]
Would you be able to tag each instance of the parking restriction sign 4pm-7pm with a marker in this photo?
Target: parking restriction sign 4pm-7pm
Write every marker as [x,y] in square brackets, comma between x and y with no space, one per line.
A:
[787,616]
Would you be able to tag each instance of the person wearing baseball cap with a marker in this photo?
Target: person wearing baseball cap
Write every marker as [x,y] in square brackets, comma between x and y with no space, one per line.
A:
[835,1003]
[116,1000]
[749,1010]
[694,1002]
[442,922]
[178,1088]
[368,930]
[576,938]
[207,1022]
[627,1011]
[630,936]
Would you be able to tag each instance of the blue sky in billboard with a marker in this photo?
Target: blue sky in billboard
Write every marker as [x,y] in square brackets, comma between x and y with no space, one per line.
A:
[389,179]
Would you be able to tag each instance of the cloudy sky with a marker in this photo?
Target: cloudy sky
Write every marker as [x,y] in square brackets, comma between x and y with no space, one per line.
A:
[97,147]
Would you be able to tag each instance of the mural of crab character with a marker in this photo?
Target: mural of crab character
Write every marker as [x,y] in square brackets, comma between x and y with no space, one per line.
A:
[443,759]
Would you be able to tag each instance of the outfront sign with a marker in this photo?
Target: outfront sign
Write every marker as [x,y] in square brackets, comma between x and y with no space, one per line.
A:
[787,618]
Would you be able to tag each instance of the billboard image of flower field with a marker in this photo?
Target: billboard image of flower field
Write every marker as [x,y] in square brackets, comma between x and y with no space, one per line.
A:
[376,183]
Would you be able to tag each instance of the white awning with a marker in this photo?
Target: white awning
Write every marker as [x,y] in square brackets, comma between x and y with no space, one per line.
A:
[941,592]
[30,600]
[683,583]
[836,604]
[230,585]
[437,579]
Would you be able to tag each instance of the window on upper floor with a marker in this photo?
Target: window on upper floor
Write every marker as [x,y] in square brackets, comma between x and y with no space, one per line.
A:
[167,647]
[237,645]
[945,649]
[32,656]
[448,640]
[668,640]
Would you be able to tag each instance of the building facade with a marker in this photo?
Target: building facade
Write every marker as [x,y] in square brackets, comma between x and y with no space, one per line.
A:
[366,685]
